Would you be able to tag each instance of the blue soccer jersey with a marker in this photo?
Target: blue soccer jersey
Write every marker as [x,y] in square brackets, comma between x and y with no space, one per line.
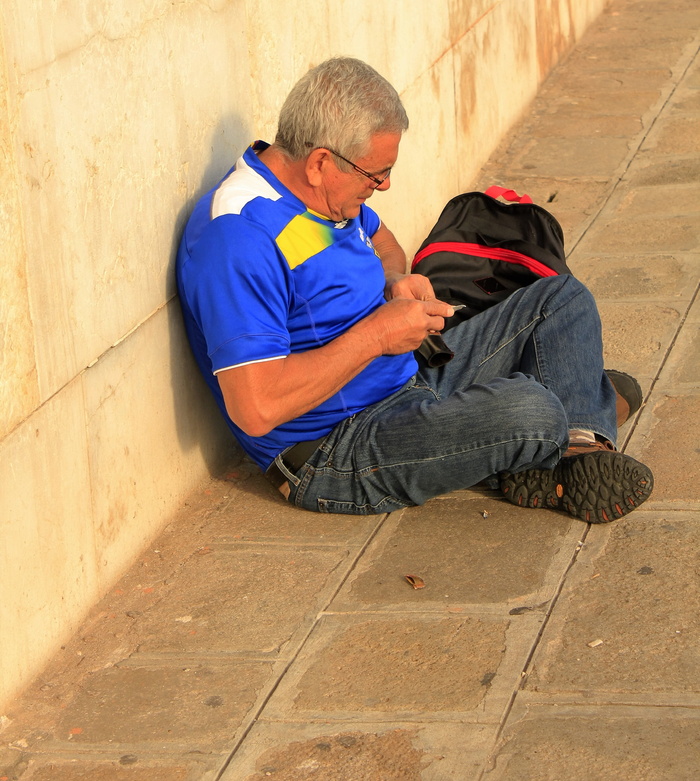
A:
[260,277]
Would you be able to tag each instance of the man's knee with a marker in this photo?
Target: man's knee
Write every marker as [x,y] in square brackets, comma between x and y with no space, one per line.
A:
[567,285]
[526,405]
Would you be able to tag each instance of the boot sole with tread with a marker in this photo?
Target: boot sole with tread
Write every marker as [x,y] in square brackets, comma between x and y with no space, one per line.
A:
[595,487]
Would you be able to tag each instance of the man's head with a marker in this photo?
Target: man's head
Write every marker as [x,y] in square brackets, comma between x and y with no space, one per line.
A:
[340,105]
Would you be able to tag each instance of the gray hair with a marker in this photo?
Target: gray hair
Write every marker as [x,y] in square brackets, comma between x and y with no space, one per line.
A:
[340,104]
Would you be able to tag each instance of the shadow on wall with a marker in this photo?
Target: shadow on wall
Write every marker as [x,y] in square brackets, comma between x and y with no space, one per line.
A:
[197,417]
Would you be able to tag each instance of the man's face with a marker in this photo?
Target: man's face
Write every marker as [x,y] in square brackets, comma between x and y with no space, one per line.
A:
[346,191]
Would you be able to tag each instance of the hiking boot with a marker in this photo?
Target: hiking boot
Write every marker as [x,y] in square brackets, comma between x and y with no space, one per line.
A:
[592,482]
[629,394]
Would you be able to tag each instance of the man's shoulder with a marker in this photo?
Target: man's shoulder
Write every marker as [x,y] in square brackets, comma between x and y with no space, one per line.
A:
[244,205]
[241,187]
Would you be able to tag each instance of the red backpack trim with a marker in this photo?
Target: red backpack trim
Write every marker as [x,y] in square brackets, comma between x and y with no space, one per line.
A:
[495,253]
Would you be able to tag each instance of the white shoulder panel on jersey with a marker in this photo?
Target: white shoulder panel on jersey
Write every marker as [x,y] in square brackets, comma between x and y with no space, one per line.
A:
[239,188]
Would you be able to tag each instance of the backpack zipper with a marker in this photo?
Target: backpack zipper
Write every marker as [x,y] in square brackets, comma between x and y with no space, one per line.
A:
[507,255]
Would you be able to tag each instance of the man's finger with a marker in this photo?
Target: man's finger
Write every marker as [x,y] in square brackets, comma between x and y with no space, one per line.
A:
[436,325]
[439,308]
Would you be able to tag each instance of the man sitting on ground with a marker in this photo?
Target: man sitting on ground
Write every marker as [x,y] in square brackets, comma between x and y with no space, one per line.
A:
[304,324]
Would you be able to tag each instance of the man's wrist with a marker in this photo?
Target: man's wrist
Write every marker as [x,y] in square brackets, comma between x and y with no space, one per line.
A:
[391,277]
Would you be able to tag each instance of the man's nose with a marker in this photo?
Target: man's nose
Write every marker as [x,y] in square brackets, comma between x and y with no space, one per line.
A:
[385,185]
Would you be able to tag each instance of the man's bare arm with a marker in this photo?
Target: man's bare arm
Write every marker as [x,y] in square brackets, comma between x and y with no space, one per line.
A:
[390,251]
[261,396]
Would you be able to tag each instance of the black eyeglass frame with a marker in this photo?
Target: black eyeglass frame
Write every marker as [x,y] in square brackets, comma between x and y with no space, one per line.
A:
[377,181]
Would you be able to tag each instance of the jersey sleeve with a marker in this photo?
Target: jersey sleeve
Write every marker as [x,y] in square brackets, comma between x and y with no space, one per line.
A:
[369,220]
[239,293]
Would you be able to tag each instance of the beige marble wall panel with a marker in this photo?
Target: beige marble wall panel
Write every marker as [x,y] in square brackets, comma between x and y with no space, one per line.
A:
[153,432]
[426,174]
[112,137]
[554,31]
[402,40]
[19,392]
[57,27]
[48,574]
[285,39]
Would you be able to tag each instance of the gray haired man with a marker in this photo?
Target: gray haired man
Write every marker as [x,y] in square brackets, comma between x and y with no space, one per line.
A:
[304,324]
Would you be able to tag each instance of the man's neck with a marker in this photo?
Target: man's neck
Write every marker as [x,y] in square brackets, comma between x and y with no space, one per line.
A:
[292,174]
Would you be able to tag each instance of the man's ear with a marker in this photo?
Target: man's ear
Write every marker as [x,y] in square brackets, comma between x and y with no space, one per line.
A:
[315,163]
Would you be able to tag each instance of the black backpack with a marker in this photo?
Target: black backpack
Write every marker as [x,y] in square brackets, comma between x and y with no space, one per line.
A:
[481,250]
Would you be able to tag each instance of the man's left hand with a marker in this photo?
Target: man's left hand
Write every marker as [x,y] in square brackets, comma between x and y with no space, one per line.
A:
[409,286]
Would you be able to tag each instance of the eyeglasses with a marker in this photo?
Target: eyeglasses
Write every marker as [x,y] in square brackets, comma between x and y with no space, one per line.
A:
[377,180]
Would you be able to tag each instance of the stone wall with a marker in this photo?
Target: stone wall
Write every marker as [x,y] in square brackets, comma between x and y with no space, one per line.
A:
[115,115]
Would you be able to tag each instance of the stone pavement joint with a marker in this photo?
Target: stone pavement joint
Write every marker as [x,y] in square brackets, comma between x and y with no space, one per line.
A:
[253,640]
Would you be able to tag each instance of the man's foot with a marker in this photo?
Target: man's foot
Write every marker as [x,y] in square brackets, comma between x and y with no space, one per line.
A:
[592,482]
[629,394]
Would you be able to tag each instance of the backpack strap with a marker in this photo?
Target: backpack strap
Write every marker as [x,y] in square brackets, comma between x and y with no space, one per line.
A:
[509,195]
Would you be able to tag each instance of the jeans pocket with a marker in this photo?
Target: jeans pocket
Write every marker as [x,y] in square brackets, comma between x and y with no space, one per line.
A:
[331,443]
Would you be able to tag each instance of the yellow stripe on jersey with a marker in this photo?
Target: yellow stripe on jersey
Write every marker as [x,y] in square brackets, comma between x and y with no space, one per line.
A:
[302,238]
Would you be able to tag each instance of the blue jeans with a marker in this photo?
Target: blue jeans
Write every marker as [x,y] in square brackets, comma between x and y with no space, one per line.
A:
[525,372]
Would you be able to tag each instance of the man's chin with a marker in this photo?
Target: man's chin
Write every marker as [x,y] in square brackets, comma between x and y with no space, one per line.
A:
[347,214]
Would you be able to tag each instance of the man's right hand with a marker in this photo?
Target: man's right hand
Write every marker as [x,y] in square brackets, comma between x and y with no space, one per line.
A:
[401,324]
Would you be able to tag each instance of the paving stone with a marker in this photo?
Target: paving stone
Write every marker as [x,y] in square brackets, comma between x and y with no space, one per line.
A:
[240,600]
[650,47]
[683,367]
[614,81]
[676,201]
[80,770]
[648,15]
[679,203]
[200,707]
[637,335]
[641,602]
[686,101]
[558,157]
[692,79]
[408,663]
[255,510]
[644,14]
[562,125]
[590,104]
[13,761]
[633,276]
[599,747]
[652,235]
[673,26]
[599,58]
[675,431]
[459,554]
[355,751]
[677,135]
[667,170]
[345,757]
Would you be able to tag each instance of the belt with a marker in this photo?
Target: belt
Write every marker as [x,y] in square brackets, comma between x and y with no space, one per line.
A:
[293,458]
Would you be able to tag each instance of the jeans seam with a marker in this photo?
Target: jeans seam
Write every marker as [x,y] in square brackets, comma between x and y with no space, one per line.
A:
[503,345]
[331,471]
